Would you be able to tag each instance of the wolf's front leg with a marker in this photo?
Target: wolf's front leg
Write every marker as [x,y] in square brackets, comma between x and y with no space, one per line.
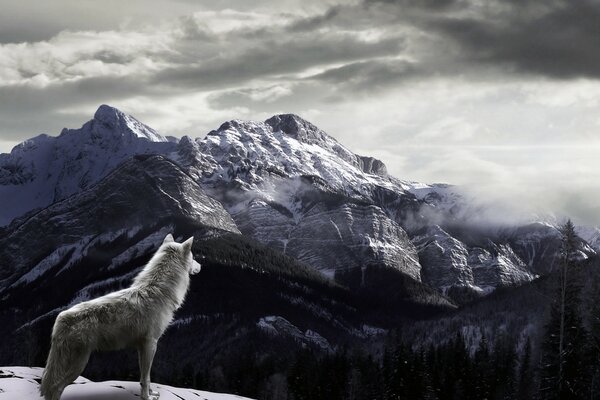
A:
[146,355]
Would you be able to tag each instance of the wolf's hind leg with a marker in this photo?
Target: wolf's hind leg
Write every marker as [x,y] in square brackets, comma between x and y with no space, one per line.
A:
[146,355]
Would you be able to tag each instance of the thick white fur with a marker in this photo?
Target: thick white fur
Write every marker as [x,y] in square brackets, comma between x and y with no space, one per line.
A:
[133,317]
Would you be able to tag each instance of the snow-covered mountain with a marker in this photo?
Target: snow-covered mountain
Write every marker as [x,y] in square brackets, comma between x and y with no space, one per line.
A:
[291,186]
[23,383]
[46,169]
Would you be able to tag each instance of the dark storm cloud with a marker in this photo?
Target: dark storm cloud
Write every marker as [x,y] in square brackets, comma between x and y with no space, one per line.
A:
[373,75]
[562,42]
[433,5]
[314,22]
[343,51]
[558,39]
[332,85]
[287,56]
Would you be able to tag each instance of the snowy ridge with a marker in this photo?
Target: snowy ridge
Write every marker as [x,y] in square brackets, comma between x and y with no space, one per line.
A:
[135,197]
[250,152]
[125,125]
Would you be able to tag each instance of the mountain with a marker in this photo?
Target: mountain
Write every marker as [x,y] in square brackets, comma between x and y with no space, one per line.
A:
[23,383]
[309,251]
[250,301]
[136,200]
[43,170]
[449,263]
[291,186]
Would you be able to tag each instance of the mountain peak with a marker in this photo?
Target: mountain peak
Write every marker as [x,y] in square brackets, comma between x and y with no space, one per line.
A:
[296,127]
[116,120]
[107,113]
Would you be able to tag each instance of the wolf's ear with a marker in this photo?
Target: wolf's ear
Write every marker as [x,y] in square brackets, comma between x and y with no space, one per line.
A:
[187,245]
[168,239]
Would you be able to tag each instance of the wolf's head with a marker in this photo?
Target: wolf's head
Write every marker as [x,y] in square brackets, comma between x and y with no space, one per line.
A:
[192,266]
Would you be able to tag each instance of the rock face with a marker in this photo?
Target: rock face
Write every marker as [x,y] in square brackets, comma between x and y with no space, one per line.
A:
[449,263]
[444,259]
[23,383]
[497,265]
[331,237]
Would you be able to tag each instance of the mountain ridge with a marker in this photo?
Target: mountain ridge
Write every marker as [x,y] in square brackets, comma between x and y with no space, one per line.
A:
[290,185]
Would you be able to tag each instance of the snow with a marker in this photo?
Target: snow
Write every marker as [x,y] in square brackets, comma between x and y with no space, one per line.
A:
[46,264]
[150,242]
[272,150]
[86,293]
[20,383]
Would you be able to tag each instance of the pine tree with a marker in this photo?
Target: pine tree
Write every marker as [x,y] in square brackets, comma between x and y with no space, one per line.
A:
[594,339]
[525,376]
[482,370]
[503,368]
[562,369]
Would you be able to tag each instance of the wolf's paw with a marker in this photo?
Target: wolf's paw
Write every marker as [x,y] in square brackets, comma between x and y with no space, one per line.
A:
[152,395]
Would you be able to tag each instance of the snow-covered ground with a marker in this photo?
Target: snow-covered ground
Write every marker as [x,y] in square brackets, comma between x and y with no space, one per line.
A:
[22,383]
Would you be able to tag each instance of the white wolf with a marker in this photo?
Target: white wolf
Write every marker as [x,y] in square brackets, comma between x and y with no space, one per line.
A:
[134,317]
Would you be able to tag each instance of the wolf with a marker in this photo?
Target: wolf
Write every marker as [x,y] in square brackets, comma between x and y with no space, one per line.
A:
[133,317]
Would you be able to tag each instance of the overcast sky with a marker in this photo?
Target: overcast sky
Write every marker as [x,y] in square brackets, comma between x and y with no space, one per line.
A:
[499,95]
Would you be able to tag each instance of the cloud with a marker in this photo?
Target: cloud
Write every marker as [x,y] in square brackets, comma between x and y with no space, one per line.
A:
[247,54]
[288,56]
[508,186]
[372,76]
[462,91]
[556,38]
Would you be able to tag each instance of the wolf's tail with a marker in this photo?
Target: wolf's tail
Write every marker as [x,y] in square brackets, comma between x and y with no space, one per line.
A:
[55,371]
[66,360]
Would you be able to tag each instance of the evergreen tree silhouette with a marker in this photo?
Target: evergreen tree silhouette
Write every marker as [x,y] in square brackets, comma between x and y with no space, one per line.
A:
[562,369]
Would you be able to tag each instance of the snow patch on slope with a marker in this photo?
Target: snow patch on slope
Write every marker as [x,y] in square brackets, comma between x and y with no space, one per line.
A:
[276,325]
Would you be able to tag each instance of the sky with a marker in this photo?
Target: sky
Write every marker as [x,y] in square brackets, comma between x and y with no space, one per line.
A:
[499,96]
